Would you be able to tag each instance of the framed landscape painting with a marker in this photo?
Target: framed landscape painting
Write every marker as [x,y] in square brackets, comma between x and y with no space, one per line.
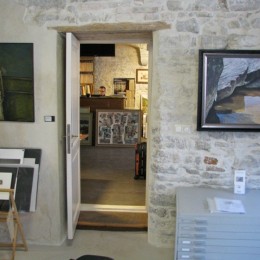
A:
[229,90]
[118,127]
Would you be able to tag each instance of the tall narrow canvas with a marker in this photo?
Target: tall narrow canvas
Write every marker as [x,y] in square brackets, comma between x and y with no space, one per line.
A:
[16,82]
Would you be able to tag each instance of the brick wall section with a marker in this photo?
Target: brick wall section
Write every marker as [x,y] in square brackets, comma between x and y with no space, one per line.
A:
[184,158]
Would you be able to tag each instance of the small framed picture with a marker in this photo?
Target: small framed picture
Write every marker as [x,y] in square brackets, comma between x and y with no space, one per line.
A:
[142,76]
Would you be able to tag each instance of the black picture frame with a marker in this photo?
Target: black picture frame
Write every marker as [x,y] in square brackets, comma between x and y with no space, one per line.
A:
[229,90]
[16,82]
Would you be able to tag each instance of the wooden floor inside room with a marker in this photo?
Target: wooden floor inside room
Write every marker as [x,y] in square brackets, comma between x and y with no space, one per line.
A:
[107,178]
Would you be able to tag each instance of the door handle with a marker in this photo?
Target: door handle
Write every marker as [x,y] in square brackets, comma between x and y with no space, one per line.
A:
[68,138]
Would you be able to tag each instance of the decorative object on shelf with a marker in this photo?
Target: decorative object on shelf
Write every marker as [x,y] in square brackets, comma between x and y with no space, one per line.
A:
[229,90]
[125,87]
[85,90]
[16,82]
[142,76]
[118,127]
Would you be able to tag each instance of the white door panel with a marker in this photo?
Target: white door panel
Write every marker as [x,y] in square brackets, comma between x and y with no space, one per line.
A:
[72,132]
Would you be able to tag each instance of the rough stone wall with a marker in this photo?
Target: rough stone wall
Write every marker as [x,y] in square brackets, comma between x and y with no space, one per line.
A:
[123,65]
[179,155]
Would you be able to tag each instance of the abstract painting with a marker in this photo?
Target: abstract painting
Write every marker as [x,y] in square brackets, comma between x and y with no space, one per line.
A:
[16,82]
[229,90]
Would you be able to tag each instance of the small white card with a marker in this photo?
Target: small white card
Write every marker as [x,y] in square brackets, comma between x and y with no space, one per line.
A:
[5,183]
[240,182]
[230,206]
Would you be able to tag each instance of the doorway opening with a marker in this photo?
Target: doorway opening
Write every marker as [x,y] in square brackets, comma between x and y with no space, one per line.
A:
[107,173]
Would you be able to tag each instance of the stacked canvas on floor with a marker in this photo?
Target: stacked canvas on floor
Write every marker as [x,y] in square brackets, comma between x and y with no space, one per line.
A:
[23,166]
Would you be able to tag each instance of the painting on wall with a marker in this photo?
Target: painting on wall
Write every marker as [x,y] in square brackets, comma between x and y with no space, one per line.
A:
[16,82]
[229,90]
[142,76]
[118,127]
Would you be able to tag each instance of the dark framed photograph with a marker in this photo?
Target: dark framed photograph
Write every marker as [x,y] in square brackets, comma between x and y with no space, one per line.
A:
[118,127]
[142,76]
[229,90]
[16,82]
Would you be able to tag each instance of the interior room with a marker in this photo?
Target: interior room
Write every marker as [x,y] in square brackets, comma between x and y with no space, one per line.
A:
[195,139]
[108,170]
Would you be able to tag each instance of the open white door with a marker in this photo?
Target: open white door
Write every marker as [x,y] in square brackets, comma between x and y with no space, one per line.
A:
[72,132]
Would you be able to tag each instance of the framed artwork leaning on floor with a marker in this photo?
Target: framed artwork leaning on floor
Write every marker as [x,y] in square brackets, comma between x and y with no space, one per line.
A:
[118,127]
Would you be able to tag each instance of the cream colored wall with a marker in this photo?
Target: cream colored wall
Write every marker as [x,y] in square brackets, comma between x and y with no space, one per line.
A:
[46,225]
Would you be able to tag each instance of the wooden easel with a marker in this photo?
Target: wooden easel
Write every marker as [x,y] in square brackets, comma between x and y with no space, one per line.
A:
[12,216]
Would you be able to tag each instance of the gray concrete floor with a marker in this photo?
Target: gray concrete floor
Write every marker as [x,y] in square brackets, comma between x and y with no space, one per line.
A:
[117,245]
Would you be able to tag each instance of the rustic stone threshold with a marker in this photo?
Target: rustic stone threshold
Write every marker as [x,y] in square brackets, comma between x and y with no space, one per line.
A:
[112,221]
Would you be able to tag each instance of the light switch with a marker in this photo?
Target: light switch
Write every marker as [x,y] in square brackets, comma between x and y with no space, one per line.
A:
[49,118]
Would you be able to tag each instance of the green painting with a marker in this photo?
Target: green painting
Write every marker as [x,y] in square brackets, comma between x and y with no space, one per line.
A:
[16,82]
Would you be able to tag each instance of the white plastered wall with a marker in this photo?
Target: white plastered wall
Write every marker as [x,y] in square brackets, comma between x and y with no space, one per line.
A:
[47,224]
